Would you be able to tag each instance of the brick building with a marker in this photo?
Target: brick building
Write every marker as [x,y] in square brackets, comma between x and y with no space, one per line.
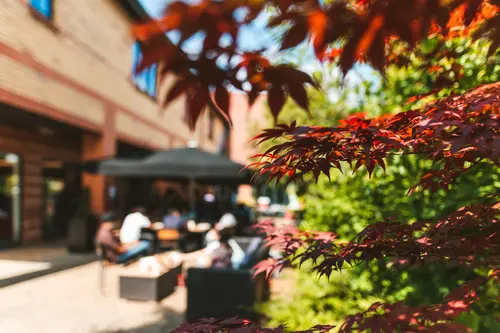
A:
[246,124]
[67,95]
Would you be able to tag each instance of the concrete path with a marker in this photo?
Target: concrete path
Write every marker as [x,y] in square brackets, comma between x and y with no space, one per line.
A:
[66,297]
[28,262]
[70,302]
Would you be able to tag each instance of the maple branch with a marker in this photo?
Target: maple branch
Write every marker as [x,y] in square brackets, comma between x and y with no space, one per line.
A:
[385,317]
[455,131]
[380,317]
[469,236]
[239,325]
[363,28]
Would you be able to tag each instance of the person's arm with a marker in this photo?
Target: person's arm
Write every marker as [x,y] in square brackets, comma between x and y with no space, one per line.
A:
[236,247]
[115,246]
[119,248]
[194,255]
[205,252]
[147,222]
[212,235]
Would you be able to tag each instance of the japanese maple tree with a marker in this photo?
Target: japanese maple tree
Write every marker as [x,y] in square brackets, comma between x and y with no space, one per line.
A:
[457,133]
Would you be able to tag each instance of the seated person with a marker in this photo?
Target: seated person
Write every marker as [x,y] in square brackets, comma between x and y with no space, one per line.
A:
[115,251]
[173,220]
[227,220]
[221,253]
[130,233]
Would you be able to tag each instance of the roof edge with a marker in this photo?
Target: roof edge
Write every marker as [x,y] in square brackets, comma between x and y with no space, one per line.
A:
[134,10]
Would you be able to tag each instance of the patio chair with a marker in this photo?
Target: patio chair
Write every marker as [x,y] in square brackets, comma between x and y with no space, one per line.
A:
[236,292]
[151,236]
[106,261]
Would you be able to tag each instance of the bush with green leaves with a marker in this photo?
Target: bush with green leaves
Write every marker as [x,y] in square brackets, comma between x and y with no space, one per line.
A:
[345,203]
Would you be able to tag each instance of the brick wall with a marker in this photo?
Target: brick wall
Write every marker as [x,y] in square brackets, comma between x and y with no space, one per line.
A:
[81,69]
[246,124]
[77,70]
[33,149]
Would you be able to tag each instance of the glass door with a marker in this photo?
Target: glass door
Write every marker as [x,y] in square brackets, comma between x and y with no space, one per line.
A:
[10,199]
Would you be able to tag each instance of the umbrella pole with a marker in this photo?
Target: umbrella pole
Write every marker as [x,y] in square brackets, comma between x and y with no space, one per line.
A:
[192,199]
[122,197]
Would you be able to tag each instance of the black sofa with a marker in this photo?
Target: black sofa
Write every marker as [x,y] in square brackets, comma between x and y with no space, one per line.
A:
[226,293]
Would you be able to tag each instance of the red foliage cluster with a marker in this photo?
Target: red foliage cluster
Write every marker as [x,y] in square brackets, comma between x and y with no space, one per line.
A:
[457,131]
[288,239]
[380,317]
[397,317]
[363,27]
[237,325]
[469,236]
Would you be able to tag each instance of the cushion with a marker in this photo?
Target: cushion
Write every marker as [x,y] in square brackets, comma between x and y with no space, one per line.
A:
[256,252]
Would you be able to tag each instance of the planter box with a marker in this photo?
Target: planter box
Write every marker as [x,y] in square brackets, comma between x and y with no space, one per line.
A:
[138,286]
[224,293]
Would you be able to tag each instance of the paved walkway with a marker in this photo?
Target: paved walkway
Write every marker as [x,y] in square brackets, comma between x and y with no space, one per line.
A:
[24,263]
[66,297]
[70,302]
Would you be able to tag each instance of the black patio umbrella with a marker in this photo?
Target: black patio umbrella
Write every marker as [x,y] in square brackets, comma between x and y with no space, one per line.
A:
[184,164]
[178,164]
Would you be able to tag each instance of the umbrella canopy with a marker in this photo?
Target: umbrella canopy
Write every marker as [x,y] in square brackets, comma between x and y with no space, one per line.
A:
[178,164]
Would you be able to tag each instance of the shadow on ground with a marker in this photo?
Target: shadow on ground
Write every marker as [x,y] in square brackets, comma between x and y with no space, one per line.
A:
[168,320]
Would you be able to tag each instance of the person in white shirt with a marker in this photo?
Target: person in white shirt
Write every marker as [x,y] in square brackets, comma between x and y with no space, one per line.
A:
[130,233]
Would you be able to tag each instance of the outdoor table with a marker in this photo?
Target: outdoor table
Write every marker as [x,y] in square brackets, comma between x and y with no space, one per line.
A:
[194,240]
[148,285]
[168,237]
[157,225]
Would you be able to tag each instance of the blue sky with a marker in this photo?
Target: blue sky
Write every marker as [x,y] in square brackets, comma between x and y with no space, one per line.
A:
[251,37]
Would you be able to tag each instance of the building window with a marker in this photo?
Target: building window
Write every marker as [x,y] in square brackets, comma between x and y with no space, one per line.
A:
[145,81]
[223,142]
[43,7]
[211,125]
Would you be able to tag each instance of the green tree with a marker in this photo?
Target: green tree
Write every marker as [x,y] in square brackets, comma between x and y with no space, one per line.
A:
[346,204]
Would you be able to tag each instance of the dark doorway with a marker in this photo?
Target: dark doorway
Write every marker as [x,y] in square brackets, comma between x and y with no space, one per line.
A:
[61,191]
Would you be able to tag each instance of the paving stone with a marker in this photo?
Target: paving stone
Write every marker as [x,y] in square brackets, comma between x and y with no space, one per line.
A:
[71,301]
